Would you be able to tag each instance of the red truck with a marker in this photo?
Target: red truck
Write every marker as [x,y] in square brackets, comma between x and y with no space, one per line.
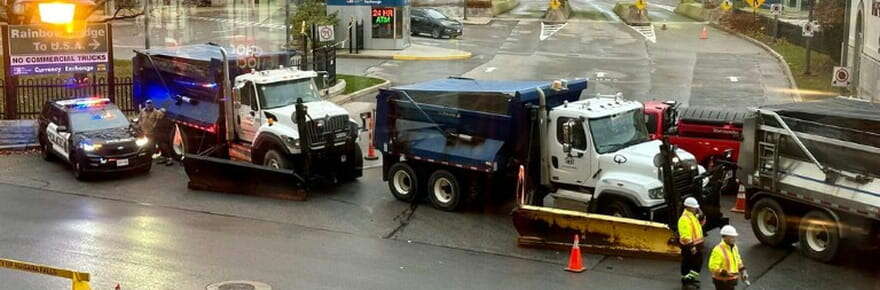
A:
[704,132]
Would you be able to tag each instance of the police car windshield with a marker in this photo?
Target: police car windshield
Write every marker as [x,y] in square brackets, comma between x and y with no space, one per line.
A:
[282,94]
[97,119]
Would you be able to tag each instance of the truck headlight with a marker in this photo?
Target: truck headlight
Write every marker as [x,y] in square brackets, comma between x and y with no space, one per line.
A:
[142,141]
[656,193]
[293,143]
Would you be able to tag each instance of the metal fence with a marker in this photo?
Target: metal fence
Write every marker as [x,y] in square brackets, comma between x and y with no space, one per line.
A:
[33,93]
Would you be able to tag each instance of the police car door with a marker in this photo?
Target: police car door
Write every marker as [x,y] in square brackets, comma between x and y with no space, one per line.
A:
[58,134]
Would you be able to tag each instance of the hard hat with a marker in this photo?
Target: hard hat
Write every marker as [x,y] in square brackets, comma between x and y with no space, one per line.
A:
[691,202]
[729,231]
[148,101]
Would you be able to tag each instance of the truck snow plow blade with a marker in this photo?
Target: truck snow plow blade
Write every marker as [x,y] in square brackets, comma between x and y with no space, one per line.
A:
[600,234]
[221,175]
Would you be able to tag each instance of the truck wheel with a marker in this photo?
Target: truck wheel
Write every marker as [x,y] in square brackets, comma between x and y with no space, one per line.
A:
[403,182]
[356,163]
[276,160]
[771,225]
[444,190]
[819,236]
[619,208]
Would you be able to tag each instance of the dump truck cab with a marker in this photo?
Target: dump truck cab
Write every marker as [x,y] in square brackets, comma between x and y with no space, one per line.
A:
[265,116]
[601,155]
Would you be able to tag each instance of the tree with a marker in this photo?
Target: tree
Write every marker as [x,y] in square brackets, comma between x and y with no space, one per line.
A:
[310,12]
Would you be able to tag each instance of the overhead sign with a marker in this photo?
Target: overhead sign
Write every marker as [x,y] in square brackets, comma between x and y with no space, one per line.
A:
[38,50]
[641,4]
[841,77]
[726,5]
[776,9]
[326,33]
[755,3]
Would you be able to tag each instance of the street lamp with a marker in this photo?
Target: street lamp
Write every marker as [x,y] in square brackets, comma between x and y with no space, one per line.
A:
[67,15]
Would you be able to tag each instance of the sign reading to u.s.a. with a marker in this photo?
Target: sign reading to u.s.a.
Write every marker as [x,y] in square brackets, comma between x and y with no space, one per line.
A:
[34,49]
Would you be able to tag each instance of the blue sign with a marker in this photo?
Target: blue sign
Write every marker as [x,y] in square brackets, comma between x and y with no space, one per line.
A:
[38,69]
[387,3]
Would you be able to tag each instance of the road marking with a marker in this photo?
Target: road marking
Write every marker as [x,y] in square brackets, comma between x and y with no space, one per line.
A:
[491,69]
[664,7]
[548,30]
[733,79]
[600,74]
[646,31]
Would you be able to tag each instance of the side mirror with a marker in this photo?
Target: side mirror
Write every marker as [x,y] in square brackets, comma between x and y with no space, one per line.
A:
[61,129]
[567,128]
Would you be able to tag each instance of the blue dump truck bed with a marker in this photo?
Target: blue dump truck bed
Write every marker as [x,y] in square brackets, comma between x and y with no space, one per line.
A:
[473,124]
[171,76]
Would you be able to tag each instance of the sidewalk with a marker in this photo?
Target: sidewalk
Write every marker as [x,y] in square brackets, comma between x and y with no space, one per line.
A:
[414,52]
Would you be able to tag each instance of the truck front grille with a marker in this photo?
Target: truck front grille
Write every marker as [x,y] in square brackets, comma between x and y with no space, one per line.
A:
[683,181]
[320,130]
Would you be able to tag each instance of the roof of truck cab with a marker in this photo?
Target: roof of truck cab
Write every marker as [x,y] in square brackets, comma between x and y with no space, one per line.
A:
[599,107]
[526,89]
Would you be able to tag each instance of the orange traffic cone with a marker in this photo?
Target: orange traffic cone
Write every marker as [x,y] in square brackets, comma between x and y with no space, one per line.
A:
[575,262]
[704,34]
[371,149]
[740,206]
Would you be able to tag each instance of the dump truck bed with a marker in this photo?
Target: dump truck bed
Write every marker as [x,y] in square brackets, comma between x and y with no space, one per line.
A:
[492,115]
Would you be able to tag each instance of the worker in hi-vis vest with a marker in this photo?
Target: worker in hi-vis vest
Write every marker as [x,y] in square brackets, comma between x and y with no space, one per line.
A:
[690,237]
[725,263]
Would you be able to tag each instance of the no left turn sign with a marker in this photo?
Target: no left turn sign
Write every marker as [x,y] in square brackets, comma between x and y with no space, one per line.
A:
[841,77]
[325,33]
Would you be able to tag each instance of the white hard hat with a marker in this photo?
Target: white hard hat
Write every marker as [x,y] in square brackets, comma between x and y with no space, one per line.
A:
[729,231]
[691,202]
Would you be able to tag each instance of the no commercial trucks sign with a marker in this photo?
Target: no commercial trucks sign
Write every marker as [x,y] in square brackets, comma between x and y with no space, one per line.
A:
[37,50]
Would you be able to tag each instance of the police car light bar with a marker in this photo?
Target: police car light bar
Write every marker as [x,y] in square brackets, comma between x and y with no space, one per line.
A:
[84,103]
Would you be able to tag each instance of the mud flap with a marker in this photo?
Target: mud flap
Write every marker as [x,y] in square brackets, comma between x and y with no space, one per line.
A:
[222,175]
[600,234]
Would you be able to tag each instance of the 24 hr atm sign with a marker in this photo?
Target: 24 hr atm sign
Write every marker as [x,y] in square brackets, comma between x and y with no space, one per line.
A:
[37,50]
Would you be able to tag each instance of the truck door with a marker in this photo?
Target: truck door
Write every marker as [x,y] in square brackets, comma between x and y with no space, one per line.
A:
[569,157]
[248,113]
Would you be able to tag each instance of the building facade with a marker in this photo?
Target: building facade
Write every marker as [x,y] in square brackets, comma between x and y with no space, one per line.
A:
[863,48]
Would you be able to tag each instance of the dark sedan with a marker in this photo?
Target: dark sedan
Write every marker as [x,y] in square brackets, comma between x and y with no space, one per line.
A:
[433,22]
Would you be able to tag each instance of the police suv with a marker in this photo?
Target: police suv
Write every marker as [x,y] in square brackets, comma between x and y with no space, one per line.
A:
[94,136]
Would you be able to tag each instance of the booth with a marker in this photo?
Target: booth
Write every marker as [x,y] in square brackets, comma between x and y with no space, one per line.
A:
[376,24]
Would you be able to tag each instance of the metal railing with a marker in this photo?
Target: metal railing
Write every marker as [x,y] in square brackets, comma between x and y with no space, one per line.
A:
[33,93]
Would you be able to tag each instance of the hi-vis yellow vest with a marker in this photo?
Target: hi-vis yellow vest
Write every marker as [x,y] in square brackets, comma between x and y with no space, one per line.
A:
[690,231]
[724,257]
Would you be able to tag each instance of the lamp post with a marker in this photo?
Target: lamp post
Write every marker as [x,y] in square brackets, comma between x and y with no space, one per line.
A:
[147,24]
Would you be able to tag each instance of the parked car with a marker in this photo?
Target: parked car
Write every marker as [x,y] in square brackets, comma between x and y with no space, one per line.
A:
[93,136]
[433,22]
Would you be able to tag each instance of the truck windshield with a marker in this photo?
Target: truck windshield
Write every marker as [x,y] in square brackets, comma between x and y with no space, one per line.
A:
[618,131]
[282,94]
[97,119]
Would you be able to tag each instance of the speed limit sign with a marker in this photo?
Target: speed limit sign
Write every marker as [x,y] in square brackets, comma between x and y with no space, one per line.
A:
[841,77]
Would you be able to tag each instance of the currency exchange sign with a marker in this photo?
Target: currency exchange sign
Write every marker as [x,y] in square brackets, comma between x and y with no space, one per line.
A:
[35,50]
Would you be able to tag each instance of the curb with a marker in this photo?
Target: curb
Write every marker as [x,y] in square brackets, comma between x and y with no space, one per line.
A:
[342,99]
[791,81]
[465,55]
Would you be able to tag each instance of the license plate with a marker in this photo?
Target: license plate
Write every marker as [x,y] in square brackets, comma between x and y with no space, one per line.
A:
[341,135]
[122,162]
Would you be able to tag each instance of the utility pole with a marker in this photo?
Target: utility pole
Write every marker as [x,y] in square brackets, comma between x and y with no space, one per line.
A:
[809,39]
[465,8]
[147,24]
[287,23]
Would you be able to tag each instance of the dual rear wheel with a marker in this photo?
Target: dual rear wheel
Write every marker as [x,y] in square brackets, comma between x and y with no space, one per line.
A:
[817,231]
[442,187]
